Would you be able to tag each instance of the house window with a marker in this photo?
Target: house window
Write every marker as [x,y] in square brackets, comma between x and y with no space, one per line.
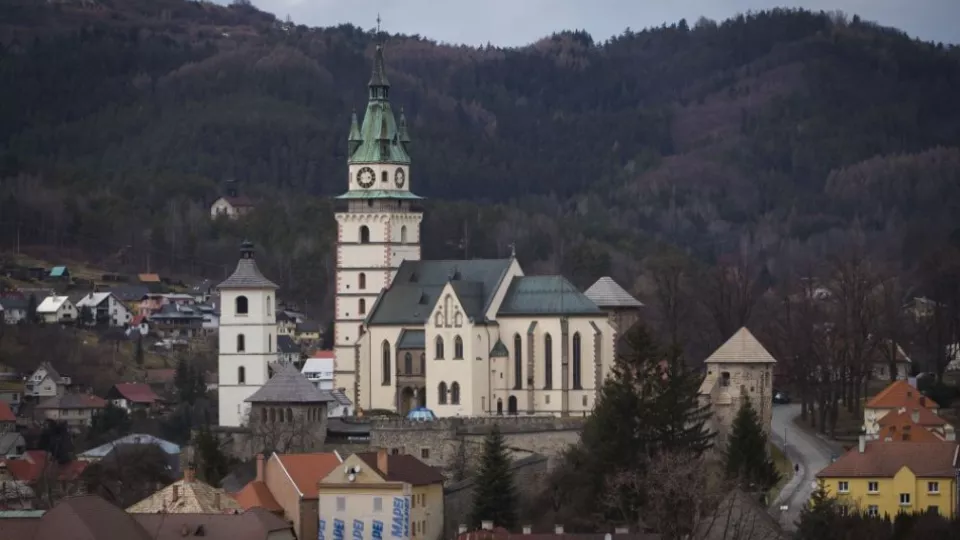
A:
[442,393]
[362,281]
[547,361]
[364,234]
[455,393]
[386,362]
[240,305]
[407,363]
[424,453]
[378,504]
[933,487]
[439,347]
[241,343]
[933,510]
[725,378]
[341,504]
[363,307]
[873,510]
[457,348]
[904,499]
[241,375]
[577,377]
[872,487]
[843,487]
[517,362]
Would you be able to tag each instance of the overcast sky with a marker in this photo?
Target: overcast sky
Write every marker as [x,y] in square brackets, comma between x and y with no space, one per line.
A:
[519,22]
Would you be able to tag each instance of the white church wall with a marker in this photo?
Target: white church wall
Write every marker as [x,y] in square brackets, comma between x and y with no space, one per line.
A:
[513,271]
[449,322]
[259,330]
[381,391]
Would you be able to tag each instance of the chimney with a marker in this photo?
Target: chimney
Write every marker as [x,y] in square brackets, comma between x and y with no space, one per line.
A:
[176,493]
[189,474]
[216,500]
[462,529]
[621,530]
[382,461]
[259,467]
[863,444]
[558,529]
[527,529]
[915,416]
[486,525]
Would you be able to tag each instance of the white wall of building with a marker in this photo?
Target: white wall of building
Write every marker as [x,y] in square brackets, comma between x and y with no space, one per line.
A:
[259,330]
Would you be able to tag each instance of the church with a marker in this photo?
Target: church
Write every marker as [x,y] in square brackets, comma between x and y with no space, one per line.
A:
[460,337]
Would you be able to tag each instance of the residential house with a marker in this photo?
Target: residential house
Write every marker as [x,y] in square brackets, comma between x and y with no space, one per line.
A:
[288,350]
[307,332]
[187,496]
[139,326]
[76,410]
[8,420]
[130,295]
[289,481]
[881,363]
[60,273]
[161,380]
[132,396]
[43,474]
[203,291]
[171,450]
[11,393]
[14,309]
[231,207]
[898,395]
[46,382]
[886,478]
[177,321]
[382,492]
[16,497]
[916,424]
[12,445]
[151,303]
[57,309]
[106,308]
[151,281]
[286,325]
[211,317]
[318,369]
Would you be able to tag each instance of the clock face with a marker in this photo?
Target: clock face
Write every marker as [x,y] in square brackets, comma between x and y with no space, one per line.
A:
[400,178]
[365,177]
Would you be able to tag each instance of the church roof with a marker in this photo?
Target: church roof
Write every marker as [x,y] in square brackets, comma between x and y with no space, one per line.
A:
[414,291]
[607,293]
[411,339]
[288,385]
[379,194]
[247,275]
[741,348]
[545,295]
[380,139]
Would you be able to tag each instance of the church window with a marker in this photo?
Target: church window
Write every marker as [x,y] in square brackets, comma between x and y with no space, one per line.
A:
[442,393]
[362,281]
[439,354]
[269,342]
[517,362]
[438,319]
[363,306]
[269,306]
[407,363]
[364,234]
[547,362]
[240,305]
[386,362]
[241,343]
[423,363]
[403,234]
[446,310]
[457,348]
[241,375]
[455,393]
[577,373]
[458,319]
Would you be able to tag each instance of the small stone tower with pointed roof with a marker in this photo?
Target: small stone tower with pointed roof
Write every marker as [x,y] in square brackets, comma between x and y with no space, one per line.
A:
[378,226]
[248,333]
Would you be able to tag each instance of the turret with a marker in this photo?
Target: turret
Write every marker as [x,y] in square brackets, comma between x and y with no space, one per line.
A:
[354,139]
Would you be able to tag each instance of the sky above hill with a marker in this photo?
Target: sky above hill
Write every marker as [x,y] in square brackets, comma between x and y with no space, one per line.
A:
[519,22]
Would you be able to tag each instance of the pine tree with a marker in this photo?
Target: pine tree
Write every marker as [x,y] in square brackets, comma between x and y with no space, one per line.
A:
[183,381]
[213,464]
[682,418]
[818,519]
[494,498]
[748,456]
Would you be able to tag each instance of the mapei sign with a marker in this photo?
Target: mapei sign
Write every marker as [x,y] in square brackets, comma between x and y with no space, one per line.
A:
[397,525]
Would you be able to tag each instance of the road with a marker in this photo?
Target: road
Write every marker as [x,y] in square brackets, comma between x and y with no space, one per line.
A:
[808,451]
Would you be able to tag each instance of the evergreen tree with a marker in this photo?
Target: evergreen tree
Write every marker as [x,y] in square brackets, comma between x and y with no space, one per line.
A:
[494,498]
[681,418]
[748,456]
[138,351]
[818,519]
[213,464]
[31,309]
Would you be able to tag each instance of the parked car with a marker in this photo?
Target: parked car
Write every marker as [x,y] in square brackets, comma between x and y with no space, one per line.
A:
[780,397]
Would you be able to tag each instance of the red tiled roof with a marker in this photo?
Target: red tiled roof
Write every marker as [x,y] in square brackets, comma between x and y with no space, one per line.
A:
[900,394]
[138,320]
[323,354]
[6,414]
[884,459]
[136,392]
[404,468]
[73,401]
[30,467]
[926,417]
[307,469]
[257,494]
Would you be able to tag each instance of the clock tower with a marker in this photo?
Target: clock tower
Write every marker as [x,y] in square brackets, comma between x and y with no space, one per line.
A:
[377,224]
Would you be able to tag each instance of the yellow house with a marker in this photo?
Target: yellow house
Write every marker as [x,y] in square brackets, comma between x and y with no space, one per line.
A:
[886,478]
[376,495]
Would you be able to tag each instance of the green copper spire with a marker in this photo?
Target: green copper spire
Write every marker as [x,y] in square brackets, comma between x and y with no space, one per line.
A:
[404,136]
[379,138]
[354,139]
[379,85]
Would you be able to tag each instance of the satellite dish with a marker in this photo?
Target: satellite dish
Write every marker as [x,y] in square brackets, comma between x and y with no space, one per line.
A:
[356,469]
[352,477]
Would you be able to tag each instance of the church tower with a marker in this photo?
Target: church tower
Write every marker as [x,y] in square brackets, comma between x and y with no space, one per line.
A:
[378,226]
[247,334]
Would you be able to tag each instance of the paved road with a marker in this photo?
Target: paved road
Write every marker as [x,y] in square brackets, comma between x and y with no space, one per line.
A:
[808,451]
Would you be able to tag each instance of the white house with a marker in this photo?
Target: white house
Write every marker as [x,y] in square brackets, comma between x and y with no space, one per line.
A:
[465,338]
[106,309]
[319,371]
[13,309]
[57,309]
[231,207]
[46,382]
[248,330]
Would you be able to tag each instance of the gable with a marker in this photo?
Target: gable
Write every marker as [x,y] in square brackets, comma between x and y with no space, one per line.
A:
[448,311]
[367,474]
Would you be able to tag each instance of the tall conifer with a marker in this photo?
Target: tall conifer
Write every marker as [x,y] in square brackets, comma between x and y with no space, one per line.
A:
[494,498]
[748,456]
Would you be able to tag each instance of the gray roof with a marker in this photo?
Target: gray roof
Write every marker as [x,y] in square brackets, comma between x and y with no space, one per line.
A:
[545,295]
[340,398]
[247,275]
[132,439]
[411,339]
[129,293]
[9,442]
[288,385]
[417,285]
[607,293]
[286,345]
[14,302]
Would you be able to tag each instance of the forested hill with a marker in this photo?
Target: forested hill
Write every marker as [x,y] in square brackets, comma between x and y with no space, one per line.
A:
[121,119]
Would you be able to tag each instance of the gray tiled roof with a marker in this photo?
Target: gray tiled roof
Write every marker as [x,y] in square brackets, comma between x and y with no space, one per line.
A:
[288,385]
[247,275]
[414,291]
[545,295]
[286,345]
[608,293]
[340,398]
[411,339]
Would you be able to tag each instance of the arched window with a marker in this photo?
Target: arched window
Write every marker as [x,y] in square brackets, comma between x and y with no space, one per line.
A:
[512,405]
[439,354]
[547,362]
[455,393]
[240,305]
[403,234]
[577,376]
[269,342]
[423,364]
[457,348]
[363,306]
[442,393]
[386,362]
[241,343]
[517,362]
[364,234]
[289,414]
[362,281]
[408,363]
[241,375]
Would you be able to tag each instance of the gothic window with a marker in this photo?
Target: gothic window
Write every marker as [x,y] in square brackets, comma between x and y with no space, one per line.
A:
[446,310]
[403,234]
[362,279]
[439,354]
[363,306]
[407,364]
[241,343]
[364,234]
[458,320]
[455,393]
[457,348]
[512,405]
[241,375]
[423,363]
[269,342]
[269,306]
[438,320]
[577,374]
[240,305]
[547,362]
[386,362]
[517,362]
[442,393]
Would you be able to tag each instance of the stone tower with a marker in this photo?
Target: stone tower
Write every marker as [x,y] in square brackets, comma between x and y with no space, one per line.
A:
[740,367]
[378,226]
[248,333]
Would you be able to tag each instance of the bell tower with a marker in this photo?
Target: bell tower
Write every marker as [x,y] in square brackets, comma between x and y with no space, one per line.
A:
[378,226]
